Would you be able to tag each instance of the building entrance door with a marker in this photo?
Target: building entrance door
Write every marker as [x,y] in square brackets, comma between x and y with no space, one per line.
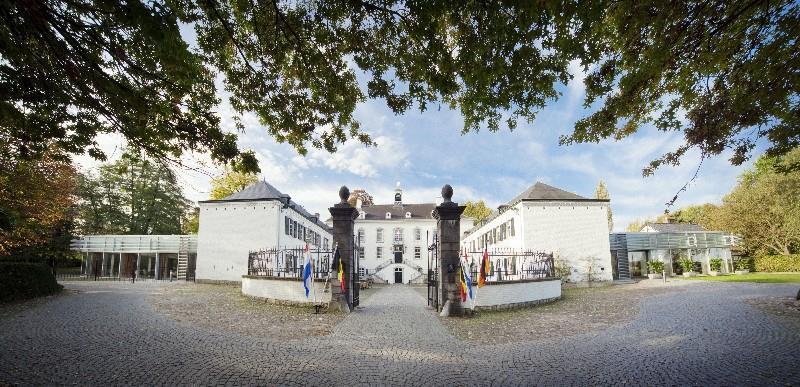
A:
[398,275]
[398,257]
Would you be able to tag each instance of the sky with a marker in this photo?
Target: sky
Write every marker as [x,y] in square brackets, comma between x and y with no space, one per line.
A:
[425,150]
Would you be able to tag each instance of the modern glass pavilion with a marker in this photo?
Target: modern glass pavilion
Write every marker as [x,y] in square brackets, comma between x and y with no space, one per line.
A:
[149,256]
[630,251]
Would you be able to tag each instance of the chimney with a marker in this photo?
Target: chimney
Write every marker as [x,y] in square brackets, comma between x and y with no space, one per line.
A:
[502,208]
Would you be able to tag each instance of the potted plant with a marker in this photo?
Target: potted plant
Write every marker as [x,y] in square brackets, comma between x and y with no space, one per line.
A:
[687,265]
[742,266]
[715,264]
[655,268]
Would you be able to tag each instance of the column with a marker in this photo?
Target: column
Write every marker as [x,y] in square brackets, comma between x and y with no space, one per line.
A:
[138,263]
[448,224]
[343,216]
[149,264]
[119,268]
[103,265]
[158,266]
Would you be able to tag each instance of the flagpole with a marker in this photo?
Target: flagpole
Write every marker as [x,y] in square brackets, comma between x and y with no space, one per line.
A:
[313,287]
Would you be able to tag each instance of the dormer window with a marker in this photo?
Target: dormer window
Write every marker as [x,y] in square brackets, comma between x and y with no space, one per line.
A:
[388,215]
[362,215]
[408,215]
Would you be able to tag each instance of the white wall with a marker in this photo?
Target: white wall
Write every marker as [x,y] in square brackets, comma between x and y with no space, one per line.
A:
[574,231]
[409,274]
[284,290]
[230,230]
[516,293]
[227,233]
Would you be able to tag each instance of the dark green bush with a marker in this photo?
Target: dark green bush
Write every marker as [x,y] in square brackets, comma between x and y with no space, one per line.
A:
[21,280]
[777,263]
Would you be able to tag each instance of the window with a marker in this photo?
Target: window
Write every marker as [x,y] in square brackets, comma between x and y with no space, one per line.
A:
[286,225]
[379,252]
[511,226]
[291,227]
[388,215]
[417,234]
[408,215]
[360,236]
[398,235]
[325,243]
[379,235]
[417,252]
[360,253]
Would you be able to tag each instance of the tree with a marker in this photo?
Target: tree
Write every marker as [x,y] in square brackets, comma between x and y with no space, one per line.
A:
[36,199]
[191,225]
[230,182]
[133,195]
[705,215]
[601,192]
[764,208]
[477,210]
[637,224]
[73,69]
[366,198]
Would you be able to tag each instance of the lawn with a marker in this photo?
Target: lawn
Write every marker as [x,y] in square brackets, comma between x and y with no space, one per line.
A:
[751,277]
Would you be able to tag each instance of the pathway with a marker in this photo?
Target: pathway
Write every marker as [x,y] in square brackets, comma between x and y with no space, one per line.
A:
[108,334]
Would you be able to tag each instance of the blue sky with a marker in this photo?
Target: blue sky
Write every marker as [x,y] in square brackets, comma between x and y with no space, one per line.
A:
[425,150]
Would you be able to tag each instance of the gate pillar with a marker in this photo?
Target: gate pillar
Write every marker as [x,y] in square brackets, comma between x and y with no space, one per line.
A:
[343,216]
[448,226]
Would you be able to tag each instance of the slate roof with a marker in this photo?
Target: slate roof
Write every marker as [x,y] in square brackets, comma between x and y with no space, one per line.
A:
[418,211]
[674,227]
[542,191]
[262,190]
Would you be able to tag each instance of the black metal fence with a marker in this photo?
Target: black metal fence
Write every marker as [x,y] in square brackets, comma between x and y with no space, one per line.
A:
[288,262]
[512,265]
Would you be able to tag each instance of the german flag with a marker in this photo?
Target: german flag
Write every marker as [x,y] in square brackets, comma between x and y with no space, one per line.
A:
[484,269]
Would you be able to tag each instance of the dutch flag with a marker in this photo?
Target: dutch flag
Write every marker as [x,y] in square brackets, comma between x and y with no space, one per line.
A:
[307,278]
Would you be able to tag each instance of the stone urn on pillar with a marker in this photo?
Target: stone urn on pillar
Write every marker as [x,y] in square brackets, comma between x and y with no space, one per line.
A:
[343,216]
[448,226]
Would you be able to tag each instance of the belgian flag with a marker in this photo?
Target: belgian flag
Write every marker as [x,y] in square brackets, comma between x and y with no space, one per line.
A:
[339,267]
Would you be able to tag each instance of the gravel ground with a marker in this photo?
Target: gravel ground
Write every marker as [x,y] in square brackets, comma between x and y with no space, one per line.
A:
[786,310]
[214,307]
[580,311]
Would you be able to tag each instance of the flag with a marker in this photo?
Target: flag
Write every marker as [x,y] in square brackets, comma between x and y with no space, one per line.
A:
[337,261]
[484,269]
[462,285]
[468,283]
[307,278]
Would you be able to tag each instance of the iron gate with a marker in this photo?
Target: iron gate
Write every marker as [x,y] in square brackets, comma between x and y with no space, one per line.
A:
[433,272]
[355,273]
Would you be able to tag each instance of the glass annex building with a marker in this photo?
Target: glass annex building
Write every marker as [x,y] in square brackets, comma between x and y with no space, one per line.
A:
[631,251]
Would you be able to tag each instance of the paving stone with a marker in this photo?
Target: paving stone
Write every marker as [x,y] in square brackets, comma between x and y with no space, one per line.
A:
[108,334]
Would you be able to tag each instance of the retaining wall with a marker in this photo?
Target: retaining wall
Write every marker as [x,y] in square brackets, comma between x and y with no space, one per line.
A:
[285,290]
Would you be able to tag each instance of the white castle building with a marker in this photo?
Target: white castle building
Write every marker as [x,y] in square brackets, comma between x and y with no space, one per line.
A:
[393,239]
[548,219]
[257,217]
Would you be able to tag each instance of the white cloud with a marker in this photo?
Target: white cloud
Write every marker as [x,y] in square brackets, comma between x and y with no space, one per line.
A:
[365,161]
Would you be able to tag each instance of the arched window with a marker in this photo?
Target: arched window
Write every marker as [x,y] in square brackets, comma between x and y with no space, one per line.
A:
[388,215]
[398,235]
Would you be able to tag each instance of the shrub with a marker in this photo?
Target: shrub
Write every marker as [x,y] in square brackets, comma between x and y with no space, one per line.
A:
[715,264]
[742,264]
[686,264]
[655,267]
[21,280]
[777,263]
[563,269]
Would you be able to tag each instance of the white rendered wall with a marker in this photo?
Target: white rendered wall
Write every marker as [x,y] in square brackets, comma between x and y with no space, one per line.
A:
[409,274]
[227,233]
[513,242]
[516,293]
[574,231]
[284,290]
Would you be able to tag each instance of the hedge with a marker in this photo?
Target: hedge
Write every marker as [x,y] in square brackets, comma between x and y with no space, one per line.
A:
[777,263]
[21,280]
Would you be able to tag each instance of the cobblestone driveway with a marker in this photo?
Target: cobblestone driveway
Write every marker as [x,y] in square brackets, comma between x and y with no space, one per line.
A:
[108,334]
